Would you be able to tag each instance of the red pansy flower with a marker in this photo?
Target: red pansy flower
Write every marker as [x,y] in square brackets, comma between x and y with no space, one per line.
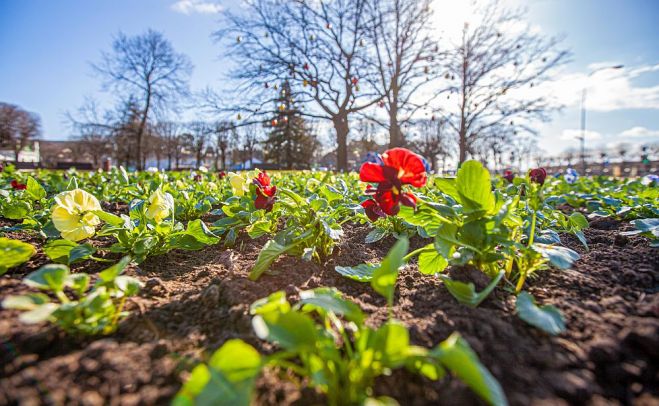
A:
[18,186]
[538,175]
[221,174]
[372,209]
[400,167]
[508,175]
[265,192]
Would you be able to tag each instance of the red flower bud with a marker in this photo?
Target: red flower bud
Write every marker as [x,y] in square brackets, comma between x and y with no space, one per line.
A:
[509,176]
[17,186]
[538,175]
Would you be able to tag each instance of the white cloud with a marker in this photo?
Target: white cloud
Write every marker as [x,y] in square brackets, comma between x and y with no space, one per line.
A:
[196,6]
[607,90]
[640,132]
[571,135]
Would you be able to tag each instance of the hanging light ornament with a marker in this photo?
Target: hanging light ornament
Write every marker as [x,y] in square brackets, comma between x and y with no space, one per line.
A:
[361,43]
[328,26]
[354,81]
[305,83]
[305,66]
[285,119]
[381,104]
[266,85]
[432,118]
[274,122]
[282,107]
[447,76]
[276,86]
[239,117]
[314,83]
[312,37]
[239,39]
[426,70]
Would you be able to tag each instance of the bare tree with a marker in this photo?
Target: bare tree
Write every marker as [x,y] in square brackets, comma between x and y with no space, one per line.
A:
[319,47]
[432,141]
[494,61]
[146,67]
[406,59]
[200,133]
[17,127]
[169,133]
[223,135]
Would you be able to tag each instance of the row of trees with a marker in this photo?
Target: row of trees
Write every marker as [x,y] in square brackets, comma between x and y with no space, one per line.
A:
[382,60]
[344,62]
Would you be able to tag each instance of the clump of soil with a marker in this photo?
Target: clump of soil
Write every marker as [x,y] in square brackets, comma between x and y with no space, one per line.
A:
[194,301]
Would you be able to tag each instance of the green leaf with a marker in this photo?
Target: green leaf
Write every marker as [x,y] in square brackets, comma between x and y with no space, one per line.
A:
[293,331]
[560,257]
[236,360]
[384,278]
[361,272]
[201,233]
[458,357]
[448,186]
[578,221]
[259,228]
[39,313]
[547,318]
[13,253]
[650,226]
[376,235]
[392,341]
[25,302]
[51,276]
[430,261]
[227,380]
[331,300]
[109,274]
[466,294]
[34,189]
[17,210]
[109,218]
[269,253]
[67,252]
[474,187]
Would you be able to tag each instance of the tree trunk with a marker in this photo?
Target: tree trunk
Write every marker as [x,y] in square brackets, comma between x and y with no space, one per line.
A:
[342,128]
[395,134]
[223,155]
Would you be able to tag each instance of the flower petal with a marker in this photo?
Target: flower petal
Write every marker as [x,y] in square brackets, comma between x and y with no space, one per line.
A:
[371,172]
[409,166]
[408,199]
[388,202]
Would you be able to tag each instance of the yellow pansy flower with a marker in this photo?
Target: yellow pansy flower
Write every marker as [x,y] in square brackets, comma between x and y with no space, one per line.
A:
[238,184]
[160,206]
[73,214]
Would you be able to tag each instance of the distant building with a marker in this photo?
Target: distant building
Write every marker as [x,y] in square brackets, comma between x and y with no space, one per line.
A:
[31,153]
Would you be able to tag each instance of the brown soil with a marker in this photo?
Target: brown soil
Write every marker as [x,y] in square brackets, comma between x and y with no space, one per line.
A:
[194,301]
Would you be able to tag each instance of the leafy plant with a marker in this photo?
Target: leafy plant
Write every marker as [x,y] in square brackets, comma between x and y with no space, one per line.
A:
[311,230]
[75,309]
[648,228]
[13,253]
[324,340]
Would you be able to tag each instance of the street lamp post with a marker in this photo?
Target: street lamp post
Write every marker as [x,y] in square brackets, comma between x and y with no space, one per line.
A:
[582,137]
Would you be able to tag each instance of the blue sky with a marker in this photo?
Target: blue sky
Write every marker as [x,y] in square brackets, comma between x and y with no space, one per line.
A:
[46,47]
